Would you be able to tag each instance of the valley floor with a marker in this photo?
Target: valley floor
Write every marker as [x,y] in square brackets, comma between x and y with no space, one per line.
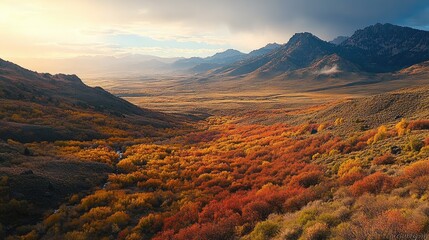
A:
[265,164]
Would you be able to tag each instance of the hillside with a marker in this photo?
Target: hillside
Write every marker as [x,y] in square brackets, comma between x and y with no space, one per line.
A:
[38,107]
[44,118]
[411,103]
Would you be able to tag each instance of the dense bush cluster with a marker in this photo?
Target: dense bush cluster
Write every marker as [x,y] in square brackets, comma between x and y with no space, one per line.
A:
[231,181]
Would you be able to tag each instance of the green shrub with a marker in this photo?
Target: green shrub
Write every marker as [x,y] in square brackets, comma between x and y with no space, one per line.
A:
[415,144]
[265,230]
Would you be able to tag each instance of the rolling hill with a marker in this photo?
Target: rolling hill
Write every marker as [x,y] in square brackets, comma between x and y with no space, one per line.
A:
[38,107]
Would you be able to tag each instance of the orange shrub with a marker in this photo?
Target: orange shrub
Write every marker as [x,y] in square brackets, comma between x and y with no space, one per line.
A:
[417,169]
[150,184]
[396,222]
[120,218]
[350,178]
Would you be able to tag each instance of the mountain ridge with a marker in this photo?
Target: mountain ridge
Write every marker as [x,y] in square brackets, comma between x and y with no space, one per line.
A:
[378,48]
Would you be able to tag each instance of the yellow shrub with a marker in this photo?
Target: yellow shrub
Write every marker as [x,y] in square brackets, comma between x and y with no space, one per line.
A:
[380,135]
[401,127]
[339,121]
[316,156]
[350,166]
[333,152]
[321,127]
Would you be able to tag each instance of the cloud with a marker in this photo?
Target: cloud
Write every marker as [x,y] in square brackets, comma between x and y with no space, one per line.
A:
[419,20]
[187,24]
[325,18]
[326,70]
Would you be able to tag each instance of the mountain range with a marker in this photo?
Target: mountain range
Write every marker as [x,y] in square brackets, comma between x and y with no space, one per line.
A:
[375,49]
[379,48]
[230,56]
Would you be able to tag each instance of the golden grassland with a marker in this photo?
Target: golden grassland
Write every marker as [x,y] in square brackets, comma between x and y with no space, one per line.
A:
[227,96]
[193,95]
[230,179]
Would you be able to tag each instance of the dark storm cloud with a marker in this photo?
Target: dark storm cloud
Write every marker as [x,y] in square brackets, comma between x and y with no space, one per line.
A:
[325,18]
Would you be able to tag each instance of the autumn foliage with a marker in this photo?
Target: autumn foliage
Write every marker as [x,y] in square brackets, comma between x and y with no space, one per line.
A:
[232,180]
[419,125]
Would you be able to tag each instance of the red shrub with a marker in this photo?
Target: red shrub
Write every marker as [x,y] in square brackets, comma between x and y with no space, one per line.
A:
[187,215]
[222,229]
[256,211]
[165,235]
[385,159]
[375,183]
[297,202]
[419,125]
[307,179]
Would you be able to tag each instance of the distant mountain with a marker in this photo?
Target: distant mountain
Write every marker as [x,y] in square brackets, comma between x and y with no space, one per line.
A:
[386,47]
[375,49]
[132,64]
[301,50]
[265,50]
[221,59]
[338,40]
[196,64]
[61,98]
[227,56]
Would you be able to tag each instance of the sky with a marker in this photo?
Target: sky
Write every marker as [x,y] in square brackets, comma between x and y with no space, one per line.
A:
[52,29]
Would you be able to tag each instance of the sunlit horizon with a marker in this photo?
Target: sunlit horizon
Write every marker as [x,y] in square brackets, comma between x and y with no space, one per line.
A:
[49,30]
